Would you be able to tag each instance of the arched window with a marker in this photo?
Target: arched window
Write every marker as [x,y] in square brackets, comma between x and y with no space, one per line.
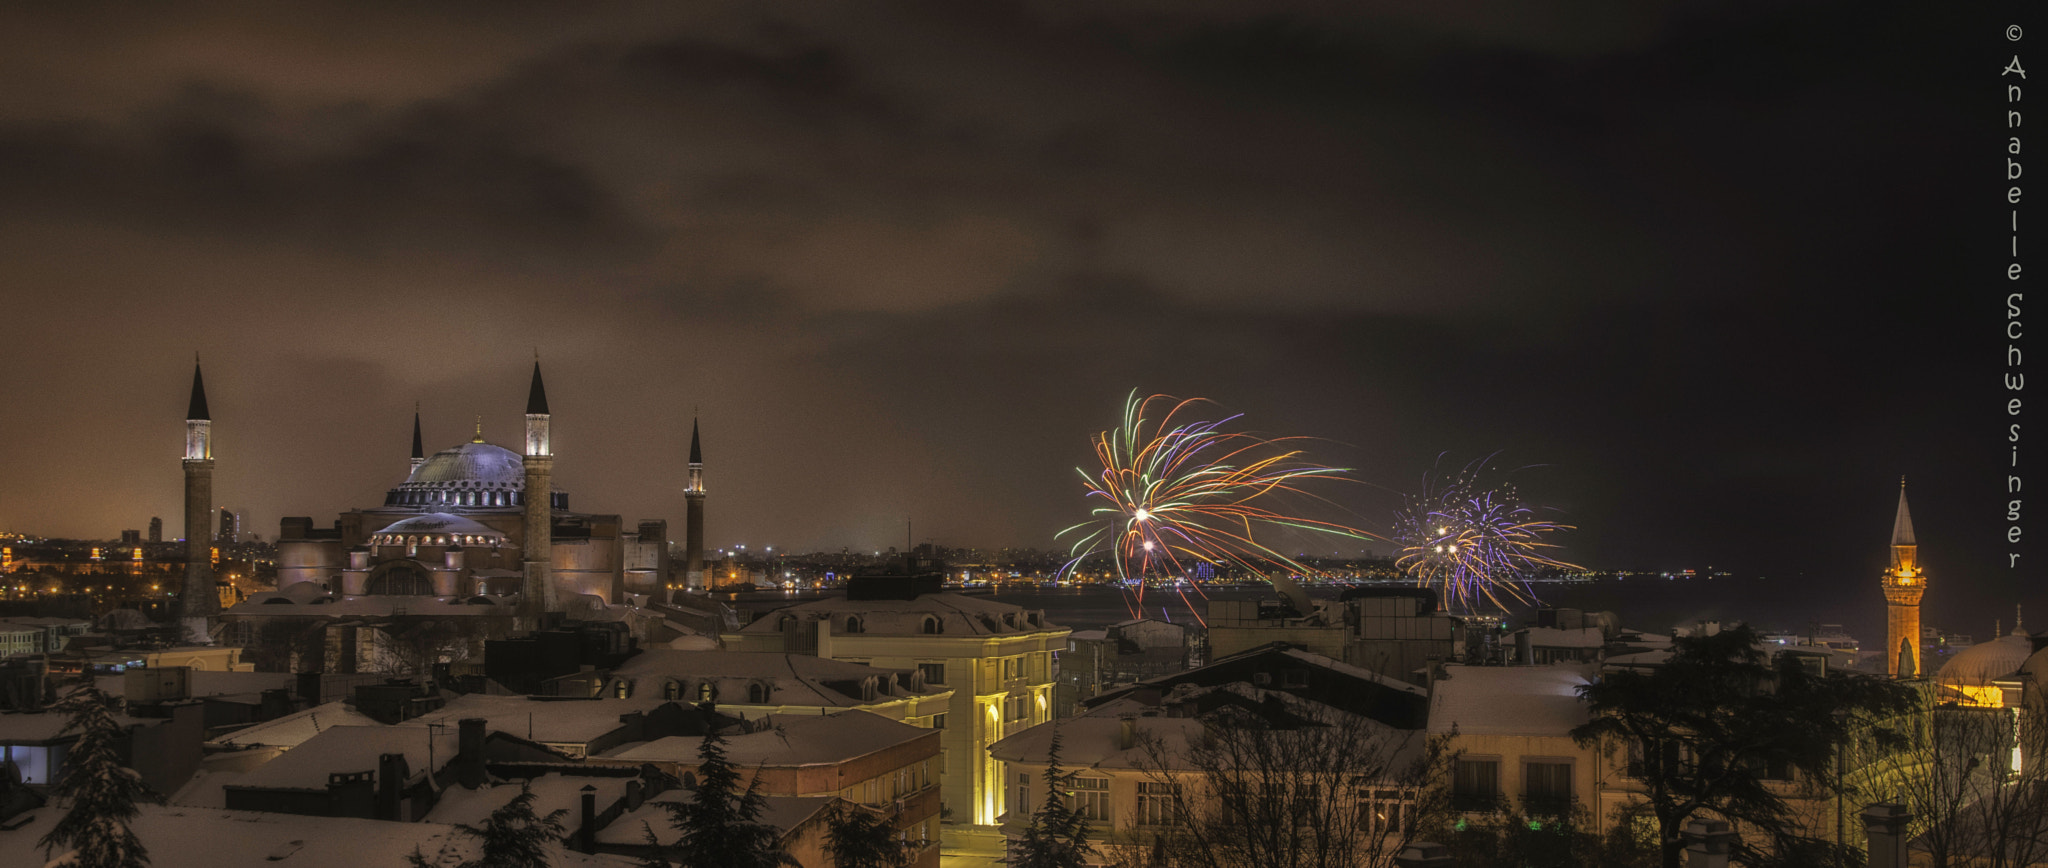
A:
[672,690]
[621,689]
[707,692]
[853,624]
[757,693]
[932,625]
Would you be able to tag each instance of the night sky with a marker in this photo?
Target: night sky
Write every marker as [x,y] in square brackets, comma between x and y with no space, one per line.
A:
[1727,271]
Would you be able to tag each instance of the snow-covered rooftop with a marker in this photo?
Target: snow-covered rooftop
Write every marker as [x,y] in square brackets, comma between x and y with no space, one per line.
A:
[958,615]
[292,729]
[345,749]
[566,721]
[1509,700]
[790,740]
[1552,637]
[796,679]
[551,792]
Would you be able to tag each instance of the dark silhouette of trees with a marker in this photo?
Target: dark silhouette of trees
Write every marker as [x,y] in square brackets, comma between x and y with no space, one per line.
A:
[1058,834]
[1717,731]
[721,826]
[860,837]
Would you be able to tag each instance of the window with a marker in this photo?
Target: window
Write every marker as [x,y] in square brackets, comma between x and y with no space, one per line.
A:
[757,693]
[672,690]
[707,692]
[1091,798]
[1022,807]
[1012,667]
[1016,709]
[1155,803]
[1383,810]
[1547,788]
[853,624]
[939,720]
[934,673]
[933,626]
[1476,785]
[622,689]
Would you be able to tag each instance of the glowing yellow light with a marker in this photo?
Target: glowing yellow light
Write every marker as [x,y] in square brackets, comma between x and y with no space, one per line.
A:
[1143,514]
[1442,530]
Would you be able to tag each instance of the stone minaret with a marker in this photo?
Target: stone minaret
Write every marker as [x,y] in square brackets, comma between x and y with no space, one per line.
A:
[537,595]
[1903,585]
[693,532]
[419,452]
[198,600]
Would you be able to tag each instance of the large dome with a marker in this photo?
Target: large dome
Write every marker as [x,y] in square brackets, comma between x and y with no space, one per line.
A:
[1977,665]
[473,476]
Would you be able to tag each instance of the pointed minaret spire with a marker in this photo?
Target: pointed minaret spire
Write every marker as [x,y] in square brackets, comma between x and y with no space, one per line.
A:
[419,451]
[198,408]
[696,445]
[537,398]
[693,531]
[1902,526]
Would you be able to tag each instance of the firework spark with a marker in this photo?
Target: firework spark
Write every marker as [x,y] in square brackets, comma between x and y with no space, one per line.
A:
[1470,541]
[1173,494]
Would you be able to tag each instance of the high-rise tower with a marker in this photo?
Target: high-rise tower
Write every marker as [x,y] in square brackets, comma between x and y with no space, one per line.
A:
[693,532]
[198,599]
[537,595]
[1903,585]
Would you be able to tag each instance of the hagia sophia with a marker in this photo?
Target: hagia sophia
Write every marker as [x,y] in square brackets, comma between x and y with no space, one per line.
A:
[453,547]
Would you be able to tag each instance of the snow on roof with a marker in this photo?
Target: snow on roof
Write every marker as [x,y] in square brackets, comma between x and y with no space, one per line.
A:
[958,614]
[1089,635]
[345,749]
[791,740]
[563,721]
[797,679]
[1640,658]
[551,792]
[631,828]
[180,837]
[1095,740]
[1509,700]
[1335,665]
[1552,637]
[206,682]
[293,729]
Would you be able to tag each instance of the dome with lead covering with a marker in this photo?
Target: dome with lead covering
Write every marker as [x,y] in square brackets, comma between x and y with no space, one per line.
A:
[473,476]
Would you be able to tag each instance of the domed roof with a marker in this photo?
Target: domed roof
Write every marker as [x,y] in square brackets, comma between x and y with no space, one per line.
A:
[473,477]
[1977,665]
[475,461]
[2036,667]
[438,528]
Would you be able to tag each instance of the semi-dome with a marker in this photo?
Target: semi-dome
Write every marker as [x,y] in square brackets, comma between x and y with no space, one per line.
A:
[473,476]
[437,529]
[2036,668]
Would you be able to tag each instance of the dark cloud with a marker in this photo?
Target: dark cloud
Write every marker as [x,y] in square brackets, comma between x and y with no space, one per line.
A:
[906,257]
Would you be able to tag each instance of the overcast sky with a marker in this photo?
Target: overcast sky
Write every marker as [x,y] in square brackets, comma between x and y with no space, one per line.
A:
[1723,269]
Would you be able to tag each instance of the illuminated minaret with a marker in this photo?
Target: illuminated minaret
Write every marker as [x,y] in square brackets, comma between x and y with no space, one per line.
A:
[198,600]
[419,453]
[1903,585]
[693,532]
[537,594]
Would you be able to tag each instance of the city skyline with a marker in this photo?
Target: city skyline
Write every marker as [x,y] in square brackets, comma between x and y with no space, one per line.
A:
[904,264]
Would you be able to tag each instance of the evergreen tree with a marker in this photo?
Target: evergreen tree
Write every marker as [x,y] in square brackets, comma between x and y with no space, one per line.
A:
[513,836]
[102,793]
[721,826]
[856,837]
[1712,730]
[1058,834]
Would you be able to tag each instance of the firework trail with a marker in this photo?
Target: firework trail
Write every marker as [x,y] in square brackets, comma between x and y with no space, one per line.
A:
[1172,494]
[1471,540]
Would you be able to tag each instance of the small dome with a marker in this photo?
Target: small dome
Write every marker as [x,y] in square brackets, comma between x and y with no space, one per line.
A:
[439,529]
[1978,665]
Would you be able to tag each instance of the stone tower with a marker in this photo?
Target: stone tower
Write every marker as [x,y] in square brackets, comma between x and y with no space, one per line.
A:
[693,533]
[198,600]
[537,593]
[1903,585]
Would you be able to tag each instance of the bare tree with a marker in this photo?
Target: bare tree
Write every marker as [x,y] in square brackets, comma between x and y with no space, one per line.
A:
[1976,782]
[1309,787]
